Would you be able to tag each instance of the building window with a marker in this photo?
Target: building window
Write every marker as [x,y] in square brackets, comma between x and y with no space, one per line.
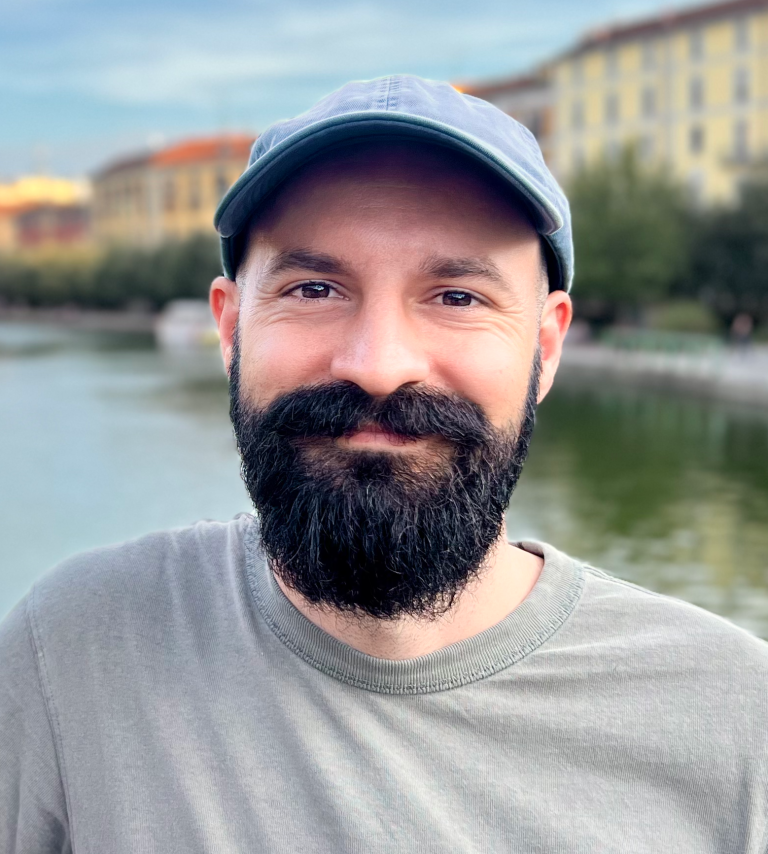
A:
[611,62]
[169,194]
[535,124]
[741,85]
[578,70]
[696,93]
[646,148]
[222,184]
[696,44]
[194,191]
[741,34]
[696,139]
[649,54]
[611,150]
[611,108]
[577,115]
[741,141]
[648,102]
[696,186]
[138,195]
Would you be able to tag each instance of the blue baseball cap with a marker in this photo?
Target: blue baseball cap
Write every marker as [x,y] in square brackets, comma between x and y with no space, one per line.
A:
[403,107]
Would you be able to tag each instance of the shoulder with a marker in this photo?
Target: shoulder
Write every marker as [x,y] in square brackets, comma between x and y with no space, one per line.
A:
[156,574]
[665,665]
[639,614]
[659,639]
[627,628]
[619,609]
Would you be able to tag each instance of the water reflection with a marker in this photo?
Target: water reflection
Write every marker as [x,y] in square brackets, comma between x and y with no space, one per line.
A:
[104,438]
[669,492]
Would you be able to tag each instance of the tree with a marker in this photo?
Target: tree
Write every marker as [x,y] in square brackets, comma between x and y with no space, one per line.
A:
[118,278]
[729,268]
[630,233]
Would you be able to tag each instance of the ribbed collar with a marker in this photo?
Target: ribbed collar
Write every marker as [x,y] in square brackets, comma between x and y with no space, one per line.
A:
[537,617]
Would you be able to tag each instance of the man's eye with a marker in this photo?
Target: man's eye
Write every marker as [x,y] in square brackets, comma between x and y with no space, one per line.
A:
[457,298]
[314,290]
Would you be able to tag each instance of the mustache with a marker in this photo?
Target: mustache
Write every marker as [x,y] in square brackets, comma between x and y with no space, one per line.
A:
[338,409]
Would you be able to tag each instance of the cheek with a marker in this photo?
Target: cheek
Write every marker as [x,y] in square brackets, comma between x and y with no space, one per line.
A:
[493,372]
[276,359]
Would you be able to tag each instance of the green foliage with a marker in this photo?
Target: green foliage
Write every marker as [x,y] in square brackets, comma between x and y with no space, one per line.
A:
[119,278]
[729,267]
[683,315]
[630,232]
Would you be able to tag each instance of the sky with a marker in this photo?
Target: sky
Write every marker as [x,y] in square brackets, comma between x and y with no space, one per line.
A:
[85,81]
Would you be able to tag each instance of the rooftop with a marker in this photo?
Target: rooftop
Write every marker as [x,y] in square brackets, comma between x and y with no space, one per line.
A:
[200,150]
[504,85]
[197,150]
[666,22]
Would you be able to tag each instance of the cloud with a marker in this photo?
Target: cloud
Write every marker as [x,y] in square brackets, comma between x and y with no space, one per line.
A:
[190,59]
[85,76]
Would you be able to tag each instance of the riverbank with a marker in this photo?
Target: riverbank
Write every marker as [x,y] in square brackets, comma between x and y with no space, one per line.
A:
[89,320]
[739,375]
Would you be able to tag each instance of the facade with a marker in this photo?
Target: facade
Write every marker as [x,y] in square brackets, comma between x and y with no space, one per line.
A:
[47,226]
[168,194]
[688,89]
[529,99]
[39,211]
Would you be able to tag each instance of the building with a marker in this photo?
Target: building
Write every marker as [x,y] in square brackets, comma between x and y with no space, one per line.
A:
[529,99]
[168,194]
[689,89]
[39,212]
[47,226]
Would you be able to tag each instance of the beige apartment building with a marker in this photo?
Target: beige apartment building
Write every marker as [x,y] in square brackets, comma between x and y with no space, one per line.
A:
[689,89]
[168,194]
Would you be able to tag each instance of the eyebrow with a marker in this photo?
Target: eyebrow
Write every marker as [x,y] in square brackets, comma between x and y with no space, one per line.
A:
[303,259]
[436,267]
[459,268]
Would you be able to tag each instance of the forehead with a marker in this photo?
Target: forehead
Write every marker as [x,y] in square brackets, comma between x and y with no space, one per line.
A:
[386,176]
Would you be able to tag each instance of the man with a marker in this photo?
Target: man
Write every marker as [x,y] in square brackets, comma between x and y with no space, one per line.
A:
[372,666]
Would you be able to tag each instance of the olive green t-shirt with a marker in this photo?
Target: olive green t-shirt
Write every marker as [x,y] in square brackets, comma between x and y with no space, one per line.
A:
[163,696]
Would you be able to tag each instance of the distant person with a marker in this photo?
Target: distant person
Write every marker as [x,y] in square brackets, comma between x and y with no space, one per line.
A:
[368,665]
[741,330]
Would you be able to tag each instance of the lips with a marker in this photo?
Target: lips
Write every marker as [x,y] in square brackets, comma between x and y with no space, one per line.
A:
[373,434]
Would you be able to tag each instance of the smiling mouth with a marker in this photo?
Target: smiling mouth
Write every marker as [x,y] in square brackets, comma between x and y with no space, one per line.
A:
[372,435]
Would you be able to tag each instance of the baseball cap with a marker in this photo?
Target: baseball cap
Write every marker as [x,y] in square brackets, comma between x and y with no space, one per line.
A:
[403,107]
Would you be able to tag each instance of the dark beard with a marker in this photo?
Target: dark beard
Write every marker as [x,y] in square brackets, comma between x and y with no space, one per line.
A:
[378,533]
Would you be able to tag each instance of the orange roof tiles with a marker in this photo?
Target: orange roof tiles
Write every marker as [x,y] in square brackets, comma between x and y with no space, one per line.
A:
[237,146]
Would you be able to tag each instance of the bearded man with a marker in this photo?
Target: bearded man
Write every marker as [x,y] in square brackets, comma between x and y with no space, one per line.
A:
[368,664]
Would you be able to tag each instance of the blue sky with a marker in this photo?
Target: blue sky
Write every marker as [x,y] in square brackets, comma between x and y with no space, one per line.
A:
[82,81]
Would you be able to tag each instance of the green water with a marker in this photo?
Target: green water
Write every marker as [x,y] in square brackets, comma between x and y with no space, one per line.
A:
[104,438]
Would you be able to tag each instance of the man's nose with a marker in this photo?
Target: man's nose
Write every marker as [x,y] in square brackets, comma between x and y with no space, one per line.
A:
[381,351]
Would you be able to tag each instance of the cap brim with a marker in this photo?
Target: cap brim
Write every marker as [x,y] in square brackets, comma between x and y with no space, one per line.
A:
[279,163]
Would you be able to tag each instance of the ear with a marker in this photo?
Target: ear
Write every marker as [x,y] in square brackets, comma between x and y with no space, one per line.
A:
[555,320]
[224,299]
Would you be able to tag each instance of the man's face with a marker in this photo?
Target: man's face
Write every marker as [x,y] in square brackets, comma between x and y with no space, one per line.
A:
[389,336]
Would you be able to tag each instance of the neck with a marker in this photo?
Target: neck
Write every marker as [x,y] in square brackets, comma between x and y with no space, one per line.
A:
[508,576]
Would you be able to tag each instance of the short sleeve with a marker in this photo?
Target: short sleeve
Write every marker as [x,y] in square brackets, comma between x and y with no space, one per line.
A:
[33,813]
